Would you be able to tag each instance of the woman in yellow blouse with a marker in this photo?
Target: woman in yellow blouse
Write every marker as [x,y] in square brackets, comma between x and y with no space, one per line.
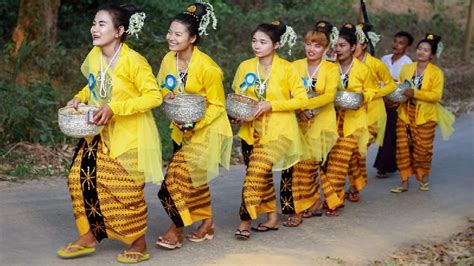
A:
[377,116]
[352,124]
[198,150]
[300,184]
[417,117]
[109,170]
[272,140]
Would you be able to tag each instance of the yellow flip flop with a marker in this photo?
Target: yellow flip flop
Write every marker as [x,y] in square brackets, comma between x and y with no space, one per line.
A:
[424,187]
[138,257]
[399,189]
[79,252]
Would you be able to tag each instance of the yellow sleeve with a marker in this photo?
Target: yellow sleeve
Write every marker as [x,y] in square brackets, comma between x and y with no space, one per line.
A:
[83,94]
[298,94]
[212,81]
[332,80]
[434,95]
[384,75]
[150,96]
[237,80]
[369,87]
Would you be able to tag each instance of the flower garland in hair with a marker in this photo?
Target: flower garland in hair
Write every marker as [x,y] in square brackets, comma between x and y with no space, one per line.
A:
[361,38]
[136,23]
[374,38]
[439,49]
[333,36]
[289,37]
[207,18]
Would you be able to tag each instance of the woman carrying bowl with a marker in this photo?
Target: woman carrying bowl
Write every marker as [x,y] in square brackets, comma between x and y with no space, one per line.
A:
[200,147]
[352,124]
[272,140]
[109,170]
[377,116]
[418,117]
[300,184]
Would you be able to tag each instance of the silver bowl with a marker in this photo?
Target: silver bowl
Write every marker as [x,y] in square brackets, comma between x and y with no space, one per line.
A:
[75,123]
[397,96]
[185,108]
[241,107]
[348,100]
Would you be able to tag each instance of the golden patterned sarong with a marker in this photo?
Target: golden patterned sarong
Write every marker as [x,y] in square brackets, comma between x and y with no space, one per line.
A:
[414,146]
[358,167]
[106,200]
[258,192]
[344,153]
[184,203]
[299,188]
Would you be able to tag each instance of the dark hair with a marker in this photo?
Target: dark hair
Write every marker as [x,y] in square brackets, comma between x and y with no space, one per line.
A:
[324,27]
[120,15]
[191,19]
[432,40]
[348,33]
[274,30]
[406,35]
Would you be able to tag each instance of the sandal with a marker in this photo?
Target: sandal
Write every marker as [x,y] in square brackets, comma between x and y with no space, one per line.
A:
[353,196]
[293,221]
[132,257]
[381,174]
[424,187]
[263,228]
[242,234]
[79,252]
[166,243]
[196,237]
[399,189]
[332,213]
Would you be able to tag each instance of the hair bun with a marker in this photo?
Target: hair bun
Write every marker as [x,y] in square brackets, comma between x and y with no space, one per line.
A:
[323,26]
[130,8]
[279,26]
[197,10]
[433,37]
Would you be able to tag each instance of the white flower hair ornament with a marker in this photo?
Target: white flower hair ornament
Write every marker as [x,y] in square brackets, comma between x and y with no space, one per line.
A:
[208,18]
[333,36]
[374,38]
[361,38]
[439,49]
[136,23]
[289,37]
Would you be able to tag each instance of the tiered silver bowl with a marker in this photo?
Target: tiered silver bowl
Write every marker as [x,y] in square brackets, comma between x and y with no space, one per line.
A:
[349,100]
[241,107]
[75,123]
[397,96]
[185,108]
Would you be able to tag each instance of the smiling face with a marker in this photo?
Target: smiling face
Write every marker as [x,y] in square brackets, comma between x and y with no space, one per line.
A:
[344,49]
[103,30]
[314,51]
[423,52]
[262,45]
[178,37]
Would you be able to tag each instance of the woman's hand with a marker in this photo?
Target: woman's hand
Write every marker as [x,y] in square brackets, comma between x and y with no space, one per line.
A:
[410,93]
[234,121]
[74,103]
[263,107]
[305,115]
[169,96]
[103,115]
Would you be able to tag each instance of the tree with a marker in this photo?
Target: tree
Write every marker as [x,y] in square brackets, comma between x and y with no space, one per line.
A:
[35,35]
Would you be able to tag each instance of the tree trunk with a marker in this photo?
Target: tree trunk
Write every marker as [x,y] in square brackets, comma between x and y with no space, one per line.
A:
[468,35]
[35,35]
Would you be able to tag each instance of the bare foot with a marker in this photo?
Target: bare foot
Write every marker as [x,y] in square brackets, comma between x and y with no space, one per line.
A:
[206,228]
[86,240]
[138,246]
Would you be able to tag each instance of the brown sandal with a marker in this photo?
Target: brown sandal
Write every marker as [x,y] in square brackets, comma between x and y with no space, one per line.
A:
[293,221]
[353,196]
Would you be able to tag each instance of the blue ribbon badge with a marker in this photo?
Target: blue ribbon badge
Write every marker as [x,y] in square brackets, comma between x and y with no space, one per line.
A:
[170,82]
[91,85]
[305,82]
[249,80]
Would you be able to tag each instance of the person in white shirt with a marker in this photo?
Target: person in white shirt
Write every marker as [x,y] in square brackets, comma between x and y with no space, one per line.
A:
[386,161]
